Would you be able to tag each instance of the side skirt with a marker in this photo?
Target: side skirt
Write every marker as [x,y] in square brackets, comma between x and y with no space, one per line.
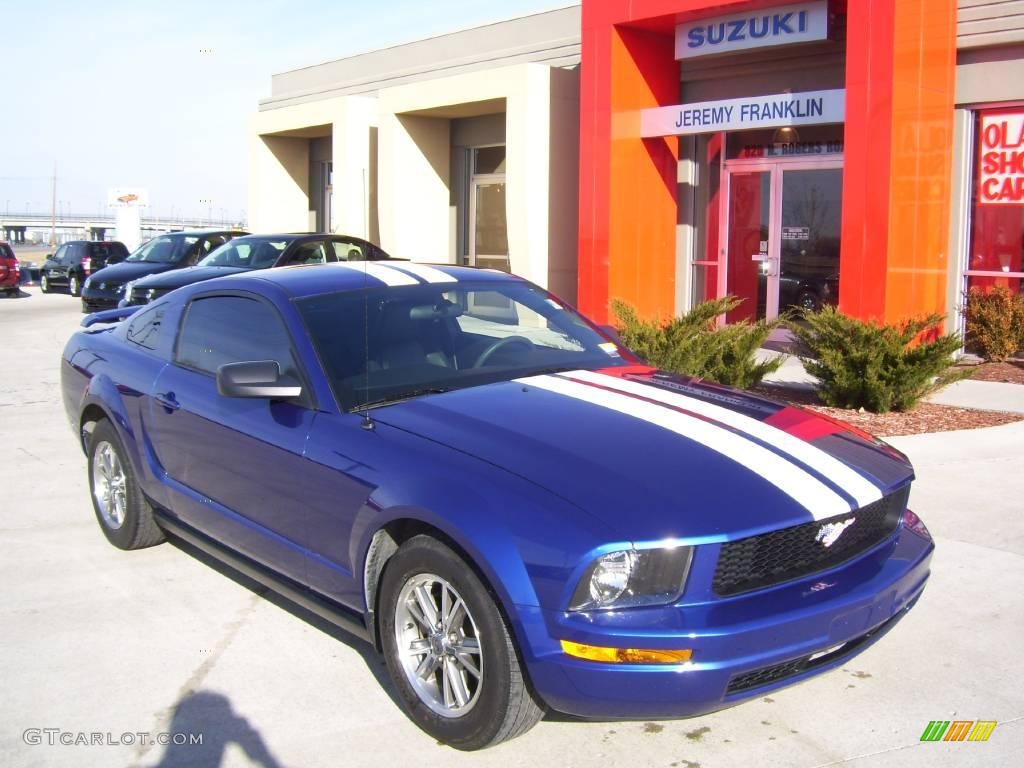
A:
[345,618]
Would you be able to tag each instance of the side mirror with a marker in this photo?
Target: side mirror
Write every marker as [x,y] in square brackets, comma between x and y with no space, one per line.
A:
[259,378]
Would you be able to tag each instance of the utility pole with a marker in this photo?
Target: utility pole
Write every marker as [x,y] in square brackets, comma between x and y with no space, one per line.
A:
[53,208]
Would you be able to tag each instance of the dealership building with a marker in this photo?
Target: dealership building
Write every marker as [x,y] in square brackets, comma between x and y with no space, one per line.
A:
[668,151]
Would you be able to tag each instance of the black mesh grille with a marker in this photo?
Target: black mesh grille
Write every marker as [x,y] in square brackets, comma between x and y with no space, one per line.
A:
[98,305]
[793,667]
[772,558]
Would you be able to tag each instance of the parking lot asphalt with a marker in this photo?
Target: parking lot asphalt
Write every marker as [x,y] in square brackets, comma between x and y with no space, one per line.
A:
[95,640]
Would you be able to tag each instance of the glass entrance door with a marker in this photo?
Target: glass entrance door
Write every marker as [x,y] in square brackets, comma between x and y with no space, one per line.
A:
[782,233]
[748,242]
[812,204]
[488,231]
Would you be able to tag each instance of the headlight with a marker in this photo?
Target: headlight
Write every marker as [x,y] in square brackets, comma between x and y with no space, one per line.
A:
[87,283]
[633,577]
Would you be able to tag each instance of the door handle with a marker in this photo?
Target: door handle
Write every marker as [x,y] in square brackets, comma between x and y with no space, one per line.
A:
[168,401]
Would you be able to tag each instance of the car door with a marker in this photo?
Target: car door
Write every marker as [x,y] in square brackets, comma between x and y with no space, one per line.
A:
[233,465]
[56,270]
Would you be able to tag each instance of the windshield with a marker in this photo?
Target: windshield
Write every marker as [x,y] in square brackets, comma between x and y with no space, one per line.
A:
[247,253]
[388,344]
[163,250]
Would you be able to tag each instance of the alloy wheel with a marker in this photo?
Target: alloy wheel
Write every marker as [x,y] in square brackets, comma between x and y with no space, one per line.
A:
[109,485]
[438,645]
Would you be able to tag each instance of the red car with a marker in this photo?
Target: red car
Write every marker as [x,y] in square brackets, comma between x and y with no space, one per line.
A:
[10,272]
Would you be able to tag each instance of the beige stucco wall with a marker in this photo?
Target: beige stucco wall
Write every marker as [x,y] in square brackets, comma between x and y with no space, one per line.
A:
[279,165]
[542,124]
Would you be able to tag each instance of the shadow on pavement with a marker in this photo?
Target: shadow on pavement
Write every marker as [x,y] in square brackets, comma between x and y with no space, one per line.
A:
[373,660]
[211,715]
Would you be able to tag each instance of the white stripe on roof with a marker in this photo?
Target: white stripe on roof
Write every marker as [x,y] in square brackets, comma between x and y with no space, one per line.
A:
[386,275]
[425,272]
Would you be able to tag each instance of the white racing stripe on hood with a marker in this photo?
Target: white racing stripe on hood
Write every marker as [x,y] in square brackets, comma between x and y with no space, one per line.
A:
[859,487]
[816,497]
[388,276]
[429,274]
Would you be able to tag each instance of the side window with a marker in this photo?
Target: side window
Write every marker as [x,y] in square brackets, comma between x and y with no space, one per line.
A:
[144,328]
[232,329]
[216,241]
[59,255]
[309,253]
[72,255]
[349,251]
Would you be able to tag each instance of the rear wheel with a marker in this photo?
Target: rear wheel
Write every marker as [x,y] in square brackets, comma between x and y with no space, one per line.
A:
[123,513]
[74,286]
[449,651]
[44,283]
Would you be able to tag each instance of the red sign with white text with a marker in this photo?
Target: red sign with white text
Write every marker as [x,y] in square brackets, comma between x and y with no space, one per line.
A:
[1001,177]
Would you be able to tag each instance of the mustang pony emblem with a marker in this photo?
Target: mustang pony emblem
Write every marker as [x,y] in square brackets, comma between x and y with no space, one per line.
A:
[830,532]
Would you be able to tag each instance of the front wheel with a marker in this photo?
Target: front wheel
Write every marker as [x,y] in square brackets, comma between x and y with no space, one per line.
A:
[44,283]
[124,515]
[449,651]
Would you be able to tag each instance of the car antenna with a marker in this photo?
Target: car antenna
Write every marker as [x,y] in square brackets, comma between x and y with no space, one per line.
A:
[367,419]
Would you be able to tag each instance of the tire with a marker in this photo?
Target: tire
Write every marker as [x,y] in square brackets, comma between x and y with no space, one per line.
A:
[74,285]
[44,283]
[496,704]
[124,515]
[808,301]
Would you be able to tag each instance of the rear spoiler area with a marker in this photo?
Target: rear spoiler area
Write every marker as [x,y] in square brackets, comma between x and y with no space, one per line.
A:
[109,315]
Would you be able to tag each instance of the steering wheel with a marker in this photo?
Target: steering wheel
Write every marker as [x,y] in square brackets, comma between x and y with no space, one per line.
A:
[494,346]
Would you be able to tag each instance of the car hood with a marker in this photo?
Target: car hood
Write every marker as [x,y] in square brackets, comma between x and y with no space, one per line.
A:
[179,277]
[662,456]
[129,270]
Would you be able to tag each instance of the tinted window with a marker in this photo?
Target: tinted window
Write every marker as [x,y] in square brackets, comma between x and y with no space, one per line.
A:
[247,253]
[351,251]
[60,253]
[309,253]
[384,344]
[163,250]
[74,253]
[144,328]
[232,329]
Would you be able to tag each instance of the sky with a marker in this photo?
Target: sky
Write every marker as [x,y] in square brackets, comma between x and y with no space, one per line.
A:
[125,94]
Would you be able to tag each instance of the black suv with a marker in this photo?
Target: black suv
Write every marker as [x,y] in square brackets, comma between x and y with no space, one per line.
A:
[256,252]
[71,265]
[161,254]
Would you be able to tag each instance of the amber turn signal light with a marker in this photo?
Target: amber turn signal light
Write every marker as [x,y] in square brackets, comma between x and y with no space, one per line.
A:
[626,655]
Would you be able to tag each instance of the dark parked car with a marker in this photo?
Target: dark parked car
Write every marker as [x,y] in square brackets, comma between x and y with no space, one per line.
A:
[255,252]
[10,271]
[161,254]
[520,515]
[807,292]
[71,265]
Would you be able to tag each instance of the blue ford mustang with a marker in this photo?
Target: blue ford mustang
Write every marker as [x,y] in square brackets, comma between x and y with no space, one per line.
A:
[517,512]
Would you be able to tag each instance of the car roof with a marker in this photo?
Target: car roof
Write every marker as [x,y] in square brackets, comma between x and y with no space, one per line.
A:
[314,279]
[203,233]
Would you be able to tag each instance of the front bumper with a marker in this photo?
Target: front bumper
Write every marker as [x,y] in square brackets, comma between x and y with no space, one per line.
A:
[743,646]
[97,301]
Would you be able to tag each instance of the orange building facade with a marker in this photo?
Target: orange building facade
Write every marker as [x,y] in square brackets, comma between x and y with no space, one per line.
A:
[790,154]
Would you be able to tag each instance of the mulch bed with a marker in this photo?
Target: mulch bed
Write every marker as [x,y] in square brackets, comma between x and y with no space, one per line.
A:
[927,417]
[1012,372]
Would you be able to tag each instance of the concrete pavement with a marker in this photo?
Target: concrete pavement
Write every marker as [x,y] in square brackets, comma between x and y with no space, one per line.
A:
[98,640]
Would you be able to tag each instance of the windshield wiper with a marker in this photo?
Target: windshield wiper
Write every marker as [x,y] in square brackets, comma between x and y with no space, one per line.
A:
[401,398]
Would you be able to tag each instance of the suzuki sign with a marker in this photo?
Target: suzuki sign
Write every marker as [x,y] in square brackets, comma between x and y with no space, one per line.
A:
[799,23]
